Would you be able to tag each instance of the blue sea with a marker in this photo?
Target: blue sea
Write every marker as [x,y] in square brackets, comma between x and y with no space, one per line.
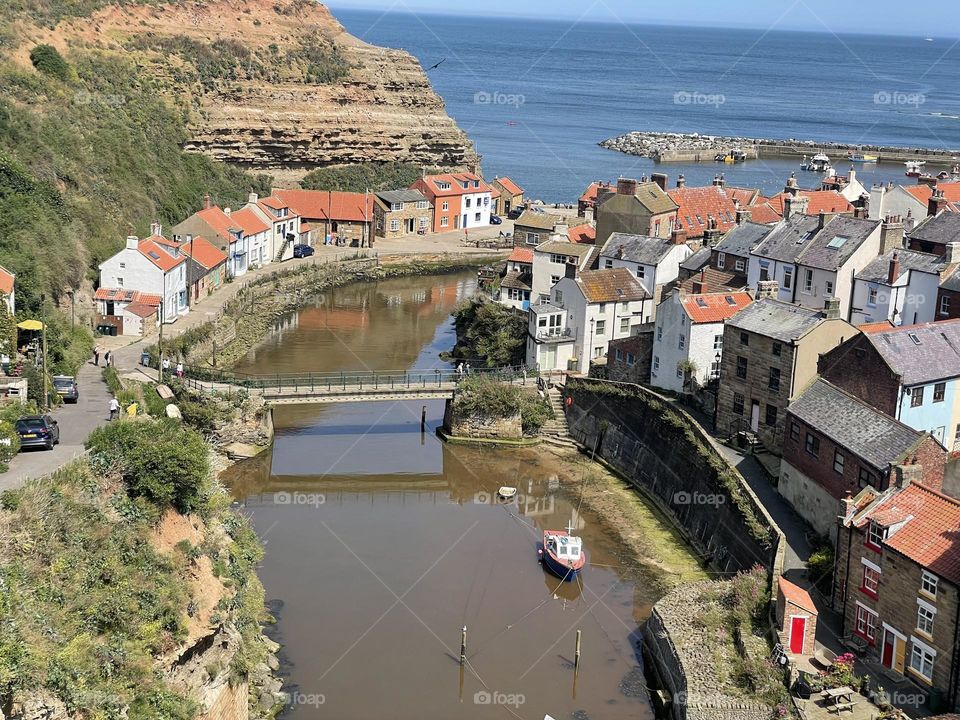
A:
[536,96]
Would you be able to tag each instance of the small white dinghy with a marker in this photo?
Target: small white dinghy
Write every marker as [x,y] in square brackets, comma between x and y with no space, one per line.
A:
[506,492]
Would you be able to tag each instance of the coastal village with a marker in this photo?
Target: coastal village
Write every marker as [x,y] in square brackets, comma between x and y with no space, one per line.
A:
[743,403]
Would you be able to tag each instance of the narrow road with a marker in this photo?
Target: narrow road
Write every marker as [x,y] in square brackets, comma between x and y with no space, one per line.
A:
[76,423]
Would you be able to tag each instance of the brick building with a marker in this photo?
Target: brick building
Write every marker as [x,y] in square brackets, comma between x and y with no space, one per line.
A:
[770,352]
[835,445]
[629,358]
[897,573]
[796,618]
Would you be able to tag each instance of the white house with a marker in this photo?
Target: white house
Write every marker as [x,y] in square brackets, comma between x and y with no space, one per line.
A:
[688,340]
[284,225]
[654,261]
[256,234]
[814,257]
[555,259]
[585,312]
[900,286]
[154,266]
[217,226]
[515,285]
[893,199]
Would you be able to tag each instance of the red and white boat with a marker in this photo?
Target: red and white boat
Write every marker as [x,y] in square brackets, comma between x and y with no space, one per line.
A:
[562,554]
[914,168]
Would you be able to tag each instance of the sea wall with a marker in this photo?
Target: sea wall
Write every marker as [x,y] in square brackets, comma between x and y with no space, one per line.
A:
[663,452]
[482,427]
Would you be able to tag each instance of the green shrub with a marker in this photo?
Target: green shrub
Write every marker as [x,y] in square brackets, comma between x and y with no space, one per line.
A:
[361,177]
[490,333]
[483,396]
[820,564]
[535,411]
[48,60]
[159,460]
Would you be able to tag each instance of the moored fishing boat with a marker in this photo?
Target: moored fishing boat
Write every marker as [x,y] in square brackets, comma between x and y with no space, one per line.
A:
[562,554]
[914,168]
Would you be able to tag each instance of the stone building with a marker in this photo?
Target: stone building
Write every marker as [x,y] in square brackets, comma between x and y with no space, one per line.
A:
[634,209]
[400,213]
[835,445]
[629,359]
[770,352]
[796,618]
[510,195]
[534,227]
[897,573]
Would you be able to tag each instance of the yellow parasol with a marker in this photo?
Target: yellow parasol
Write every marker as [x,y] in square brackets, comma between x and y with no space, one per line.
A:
[30,325]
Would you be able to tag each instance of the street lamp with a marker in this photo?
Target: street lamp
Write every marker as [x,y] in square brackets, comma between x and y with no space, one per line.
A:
[716,365]
[716,392]
[589,348]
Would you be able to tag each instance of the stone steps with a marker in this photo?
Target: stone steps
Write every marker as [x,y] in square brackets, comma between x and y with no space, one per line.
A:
[556,428]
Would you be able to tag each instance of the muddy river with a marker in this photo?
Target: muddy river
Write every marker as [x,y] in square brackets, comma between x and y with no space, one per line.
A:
[382,542]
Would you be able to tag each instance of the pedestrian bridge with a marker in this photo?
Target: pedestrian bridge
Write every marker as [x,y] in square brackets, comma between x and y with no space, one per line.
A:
[347,386]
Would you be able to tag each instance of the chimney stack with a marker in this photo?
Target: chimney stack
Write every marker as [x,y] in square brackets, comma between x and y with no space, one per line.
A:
[206,201]
[711,234]
[678,237]
[847,506]
[952,255]
[791,186]
[909,222]
[252,198]
[893,272]
[936,203]
[700,284]
[831,308]
[719,180]
[626,186]
[744,215]
[156,228]
[795,205]
[660,179]
[767,289]
[927,180]
[132,242]
[891,234]
[588,215]
[681,181]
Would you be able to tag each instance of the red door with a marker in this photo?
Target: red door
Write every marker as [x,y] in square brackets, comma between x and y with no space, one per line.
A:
[798,626]
[887,657]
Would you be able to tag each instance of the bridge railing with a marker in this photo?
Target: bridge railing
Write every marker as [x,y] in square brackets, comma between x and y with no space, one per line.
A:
[349,380]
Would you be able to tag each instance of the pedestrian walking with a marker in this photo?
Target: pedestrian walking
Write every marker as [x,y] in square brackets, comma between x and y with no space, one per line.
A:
[107,359]
[166,365]
[466,368]
[179,369]
[114,408]
[460,371]
[96,355]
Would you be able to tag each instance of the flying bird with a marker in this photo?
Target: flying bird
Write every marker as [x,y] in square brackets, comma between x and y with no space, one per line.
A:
[437,65]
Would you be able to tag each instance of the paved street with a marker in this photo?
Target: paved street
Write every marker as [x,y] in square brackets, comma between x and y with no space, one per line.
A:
[76,422]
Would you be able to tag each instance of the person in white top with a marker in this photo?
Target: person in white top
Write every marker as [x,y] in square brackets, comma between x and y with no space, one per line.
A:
[114,408]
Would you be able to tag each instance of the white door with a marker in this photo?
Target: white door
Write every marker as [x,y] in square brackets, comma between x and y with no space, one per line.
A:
[550,359]
[755,415]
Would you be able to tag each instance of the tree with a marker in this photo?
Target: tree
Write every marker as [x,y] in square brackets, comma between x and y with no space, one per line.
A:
[48,60]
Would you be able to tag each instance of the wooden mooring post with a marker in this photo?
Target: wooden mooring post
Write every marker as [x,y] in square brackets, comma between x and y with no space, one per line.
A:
[463,645]
[576,654]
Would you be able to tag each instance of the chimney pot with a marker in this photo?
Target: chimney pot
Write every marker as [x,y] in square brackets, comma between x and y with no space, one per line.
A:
[132,242]
[678,236]
[893,272]
[206,201]
[831,308]
[681,181]
[767,289]
[626,186]
[936,202]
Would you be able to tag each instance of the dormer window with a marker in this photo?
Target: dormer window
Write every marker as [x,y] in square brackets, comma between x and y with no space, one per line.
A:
[876,534]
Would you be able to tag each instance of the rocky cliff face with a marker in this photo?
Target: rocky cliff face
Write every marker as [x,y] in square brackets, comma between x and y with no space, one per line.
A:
[245,72]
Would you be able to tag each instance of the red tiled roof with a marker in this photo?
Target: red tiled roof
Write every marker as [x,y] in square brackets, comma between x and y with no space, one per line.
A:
[590,194]
[930,534]
[494,193]
[519,254]
[324,205]
[248,221]
[7,279]
[698,204]
[219,221]
[455,180]
[274,202]
[744,196]
[510,186]
[951,191]
[829,201]
[141,309]
[875,327]
[764,213]
[796,594]
[204,253]
[158,255]
[715,307]
[124,295]
[715,281]
[161,240]
[585,234]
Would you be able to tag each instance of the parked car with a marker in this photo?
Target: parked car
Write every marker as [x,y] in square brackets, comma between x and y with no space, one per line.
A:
[515,213]
[66,387]
[302,251]
[38,431]
[495,220]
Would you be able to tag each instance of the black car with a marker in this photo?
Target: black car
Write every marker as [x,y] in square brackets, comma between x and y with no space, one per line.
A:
[515,213]
[302,251]
[66,387]
[495,220]
[38,431]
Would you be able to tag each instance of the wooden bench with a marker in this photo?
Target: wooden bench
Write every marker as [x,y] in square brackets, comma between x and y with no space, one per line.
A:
[840,707]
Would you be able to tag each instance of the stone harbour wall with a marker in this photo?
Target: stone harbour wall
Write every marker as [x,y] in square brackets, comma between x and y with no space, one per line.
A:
[481,427]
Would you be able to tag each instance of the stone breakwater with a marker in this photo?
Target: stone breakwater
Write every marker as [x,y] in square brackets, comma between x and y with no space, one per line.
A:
[694,147]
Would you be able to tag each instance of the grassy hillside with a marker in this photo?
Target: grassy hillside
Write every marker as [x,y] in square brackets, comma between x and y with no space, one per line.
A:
[87,155]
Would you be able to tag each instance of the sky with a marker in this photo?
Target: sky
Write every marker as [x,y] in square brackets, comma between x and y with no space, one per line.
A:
[885,17]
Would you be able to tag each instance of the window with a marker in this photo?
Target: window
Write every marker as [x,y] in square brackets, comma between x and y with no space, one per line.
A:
[774,381]
[771,418]
[601,327]
[608,263]
[659,333]
[744,338]
[838,460]
[944,305]
[926,614]
[741,367]
[721,259]
[641,271]
[740,265]
[871,578]
[876,534]
[119,282]
[777,349]
[443,185]
[598,351]
[787,278]
[718,342]
[394,225]
[554,279]
[867,478]
[922,658]
[812,444]
[624,325]
[928,584]
[557,259]
[866,623]
[603,308]
[679,372]
[738,403]
[916,397]
[396,207]
[444,221]
[828,288]
[872,297]
[446,205]
[683,342]
[808,280]
[939,390]
[423,222]
[559,297]
[656,362]
[422,204]
[619,354]
[468,202]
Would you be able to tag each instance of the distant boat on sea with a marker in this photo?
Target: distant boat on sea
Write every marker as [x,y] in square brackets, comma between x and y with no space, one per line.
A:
[914,168]
[818,163]
[862,158]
